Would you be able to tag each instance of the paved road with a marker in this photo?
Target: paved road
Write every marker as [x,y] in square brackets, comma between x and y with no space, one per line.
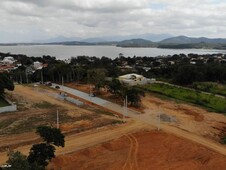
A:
[145,118]
[82,95]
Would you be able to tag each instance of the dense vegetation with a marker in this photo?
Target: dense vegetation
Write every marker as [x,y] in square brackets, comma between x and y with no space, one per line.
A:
[5,83]
[133,94]
[176,69]
[210,87]
[180,69]
[214,103]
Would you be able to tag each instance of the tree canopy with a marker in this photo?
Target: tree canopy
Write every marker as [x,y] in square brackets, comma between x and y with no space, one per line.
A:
[5,83]
[51,135]
[41,154]
[17,161]
[115,86]
[134,95]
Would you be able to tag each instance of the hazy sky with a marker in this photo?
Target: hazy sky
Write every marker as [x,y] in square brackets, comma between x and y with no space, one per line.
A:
[27,20]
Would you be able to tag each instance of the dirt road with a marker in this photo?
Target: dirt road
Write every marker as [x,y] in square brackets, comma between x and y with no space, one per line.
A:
[90,138]
[17,129]
[145,118]
[152,150]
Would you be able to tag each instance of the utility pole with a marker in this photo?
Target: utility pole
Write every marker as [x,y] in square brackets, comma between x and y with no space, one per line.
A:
[21,80]
[26,76]
[159,119]
[41,77]
[126,106]
[57,119]
[90,97]
[125,109]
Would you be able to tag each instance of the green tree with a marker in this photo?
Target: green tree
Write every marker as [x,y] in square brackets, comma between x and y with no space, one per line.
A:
[51,135]
[115,86]
[133,95]
[5,83]
[188,74]
[97,77]
[41,154]
[223,139]
[17,161]
[80,73]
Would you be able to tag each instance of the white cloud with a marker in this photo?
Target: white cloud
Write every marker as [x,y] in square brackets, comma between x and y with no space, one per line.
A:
[26,20]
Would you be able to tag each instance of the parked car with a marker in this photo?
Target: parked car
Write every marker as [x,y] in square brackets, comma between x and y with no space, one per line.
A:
[92,95]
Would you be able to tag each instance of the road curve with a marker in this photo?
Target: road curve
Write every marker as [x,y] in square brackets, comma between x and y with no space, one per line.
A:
[147,120]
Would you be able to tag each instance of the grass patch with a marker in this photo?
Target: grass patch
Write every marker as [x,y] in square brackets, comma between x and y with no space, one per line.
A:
[116,122]
[16,126]
[6,123]
[3,102]
[43,105]
[210,87]
[29,124]
[103,112]
[208,101]
[98,111]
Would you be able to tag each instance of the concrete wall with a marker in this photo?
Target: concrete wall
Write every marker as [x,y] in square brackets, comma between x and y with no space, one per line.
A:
[74,101]
[11,108]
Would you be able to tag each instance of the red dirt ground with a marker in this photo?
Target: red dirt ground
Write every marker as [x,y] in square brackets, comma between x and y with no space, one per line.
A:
[143,150]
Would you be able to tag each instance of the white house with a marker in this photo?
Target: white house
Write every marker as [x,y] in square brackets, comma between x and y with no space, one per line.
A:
[37,65]
[8,61]
[133,79]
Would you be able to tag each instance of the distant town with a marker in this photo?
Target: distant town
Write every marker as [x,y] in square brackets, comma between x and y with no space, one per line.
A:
[30,69]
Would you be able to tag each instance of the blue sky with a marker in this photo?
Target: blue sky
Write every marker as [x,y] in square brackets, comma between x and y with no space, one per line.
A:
[28,20]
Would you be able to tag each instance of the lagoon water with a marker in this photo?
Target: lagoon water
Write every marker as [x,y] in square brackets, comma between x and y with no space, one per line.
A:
[64,52]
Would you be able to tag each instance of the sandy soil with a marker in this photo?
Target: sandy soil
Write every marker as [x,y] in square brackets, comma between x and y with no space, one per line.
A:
[75,142]
[143,150]
[187,117]
[184,116]
[17,128]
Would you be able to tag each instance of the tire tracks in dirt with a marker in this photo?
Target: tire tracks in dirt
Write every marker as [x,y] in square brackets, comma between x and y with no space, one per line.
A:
[131,159]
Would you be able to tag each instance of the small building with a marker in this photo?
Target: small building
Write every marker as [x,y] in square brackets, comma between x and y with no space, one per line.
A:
[37,65]
[133,79]
[8,61]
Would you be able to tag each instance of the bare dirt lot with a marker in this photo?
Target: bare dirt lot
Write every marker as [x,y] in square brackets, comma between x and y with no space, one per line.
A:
[187,117]
[143,150]
[38,106]
[78,141]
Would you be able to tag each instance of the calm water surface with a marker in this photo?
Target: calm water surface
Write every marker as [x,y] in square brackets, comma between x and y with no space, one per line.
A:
[65,52]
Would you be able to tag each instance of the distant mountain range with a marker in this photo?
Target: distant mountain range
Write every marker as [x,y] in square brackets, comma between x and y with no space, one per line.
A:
[178,42]
[137,43]
[148,36]
[189,40]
